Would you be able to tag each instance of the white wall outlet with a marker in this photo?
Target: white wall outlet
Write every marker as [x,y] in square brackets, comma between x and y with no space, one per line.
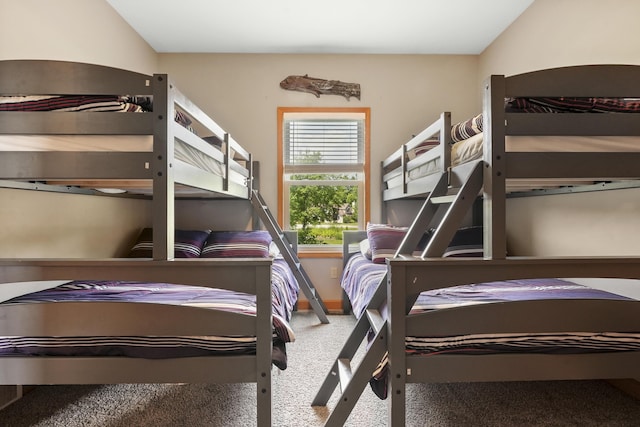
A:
[333,273]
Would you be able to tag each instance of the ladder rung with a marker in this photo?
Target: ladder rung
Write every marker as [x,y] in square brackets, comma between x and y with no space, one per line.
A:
[375,319]
[344,372]
[443,199]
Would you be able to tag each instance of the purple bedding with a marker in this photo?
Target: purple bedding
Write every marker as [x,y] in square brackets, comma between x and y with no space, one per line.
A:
[86,103]
[75,103]
[284,296]
[361,277]
[468,128]
[573,105]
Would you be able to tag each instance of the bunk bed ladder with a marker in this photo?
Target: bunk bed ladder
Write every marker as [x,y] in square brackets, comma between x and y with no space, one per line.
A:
[353,380]
[456,205]
[285,247]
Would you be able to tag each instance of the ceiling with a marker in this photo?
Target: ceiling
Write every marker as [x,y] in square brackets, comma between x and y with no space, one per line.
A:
[325,26]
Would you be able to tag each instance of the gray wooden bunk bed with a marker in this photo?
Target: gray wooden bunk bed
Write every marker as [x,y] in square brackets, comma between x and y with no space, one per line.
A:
[160,146]
[401,313]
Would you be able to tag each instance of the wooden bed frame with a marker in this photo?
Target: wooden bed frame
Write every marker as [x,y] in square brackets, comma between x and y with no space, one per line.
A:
[399,163]
[162,171]
[252,276]
[158,168]
[407,276]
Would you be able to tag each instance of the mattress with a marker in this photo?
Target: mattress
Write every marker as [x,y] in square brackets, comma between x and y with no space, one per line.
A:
[517,290]
[120,143]
[361,277]
[470,149]
[284,296]
[123,143]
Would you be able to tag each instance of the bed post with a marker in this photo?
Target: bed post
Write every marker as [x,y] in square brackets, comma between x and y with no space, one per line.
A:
[264,345]
[494,192]
[383,205]
[162,208]
[445,140]
[396,300]
[254,184]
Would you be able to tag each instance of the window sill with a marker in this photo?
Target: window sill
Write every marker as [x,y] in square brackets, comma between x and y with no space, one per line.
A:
[333,251]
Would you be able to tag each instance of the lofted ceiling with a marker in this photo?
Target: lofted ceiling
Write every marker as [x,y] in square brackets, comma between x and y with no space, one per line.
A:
[326,26]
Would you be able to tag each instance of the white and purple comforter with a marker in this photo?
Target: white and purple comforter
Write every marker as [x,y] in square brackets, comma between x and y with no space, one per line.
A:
[284,296]
[361,277]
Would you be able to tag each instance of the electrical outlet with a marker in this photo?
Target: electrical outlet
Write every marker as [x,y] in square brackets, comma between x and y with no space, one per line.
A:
[333,273]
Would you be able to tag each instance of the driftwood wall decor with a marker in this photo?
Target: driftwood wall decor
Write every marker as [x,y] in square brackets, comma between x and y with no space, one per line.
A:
[321,86]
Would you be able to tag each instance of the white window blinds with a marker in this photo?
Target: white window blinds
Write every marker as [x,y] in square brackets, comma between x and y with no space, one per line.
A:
[323,142]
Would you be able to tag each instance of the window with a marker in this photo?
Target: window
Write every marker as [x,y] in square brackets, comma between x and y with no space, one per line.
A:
[323,158]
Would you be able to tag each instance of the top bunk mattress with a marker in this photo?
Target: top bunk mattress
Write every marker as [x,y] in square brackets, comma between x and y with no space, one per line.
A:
[470,149]
[120,143]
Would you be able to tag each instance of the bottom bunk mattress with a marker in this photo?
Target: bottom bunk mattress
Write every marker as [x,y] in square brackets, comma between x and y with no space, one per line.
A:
[284,296]
[361,277]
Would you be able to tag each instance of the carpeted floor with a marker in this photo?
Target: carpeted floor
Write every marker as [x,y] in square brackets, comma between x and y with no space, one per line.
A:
[566,403]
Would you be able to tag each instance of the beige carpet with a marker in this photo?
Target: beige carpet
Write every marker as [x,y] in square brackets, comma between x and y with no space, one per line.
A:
[570,403]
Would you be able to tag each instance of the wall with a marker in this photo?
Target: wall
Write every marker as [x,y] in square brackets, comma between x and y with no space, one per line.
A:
[38,224]
[43,224]
[405,93]
[553,33]
[72,30]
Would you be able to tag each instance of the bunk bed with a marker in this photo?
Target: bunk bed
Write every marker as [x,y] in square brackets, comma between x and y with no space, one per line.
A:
[218,310]
[421,325]
[414,168]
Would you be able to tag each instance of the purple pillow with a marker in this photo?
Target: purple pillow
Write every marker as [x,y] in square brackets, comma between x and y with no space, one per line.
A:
[237,244]
[187,244]
[384,241]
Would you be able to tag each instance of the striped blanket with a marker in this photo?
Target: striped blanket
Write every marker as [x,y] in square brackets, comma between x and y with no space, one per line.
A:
[284,296]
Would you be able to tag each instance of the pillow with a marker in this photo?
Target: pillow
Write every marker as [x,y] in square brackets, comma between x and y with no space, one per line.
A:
[237,244]
[467,242]
[466,129]
[422,148]
[213,140]
[365,249]
[187,244]
[274,251]
[385,239]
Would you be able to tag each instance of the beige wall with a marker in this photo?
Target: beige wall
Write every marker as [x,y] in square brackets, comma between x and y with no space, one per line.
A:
[405,93]
[44,224]
[72,30]
[39,224]
[554,33]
